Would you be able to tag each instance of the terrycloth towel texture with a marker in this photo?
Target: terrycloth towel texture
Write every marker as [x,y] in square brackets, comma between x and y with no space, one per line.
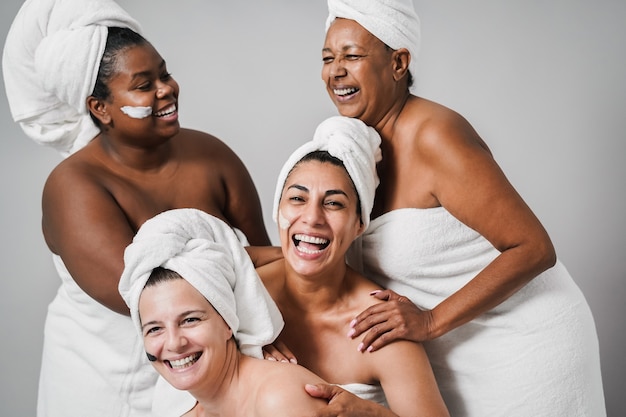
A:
[535,354]
[394,22]
[50,61]
[355,144]
[206,252]
[367,392]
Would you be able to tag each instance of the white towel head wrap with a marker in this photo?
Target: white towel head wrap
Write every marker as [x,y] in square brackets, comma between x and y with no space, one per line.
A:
[394,22]
[50,62]
[355,144]
[204,251]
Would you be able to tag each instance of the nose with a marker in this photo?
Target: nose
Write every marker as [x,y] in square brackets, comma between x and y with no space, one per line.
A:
[337,68]
[175,340]
[164,89]
[313,214]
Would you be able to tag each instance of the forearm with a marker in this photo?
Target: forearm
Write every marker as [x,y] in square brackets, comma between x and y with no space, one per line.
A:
[503,277]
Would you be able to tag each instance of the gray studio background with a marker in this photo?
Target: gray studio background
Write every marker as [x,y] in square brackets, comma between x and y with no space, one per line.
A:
[543,82]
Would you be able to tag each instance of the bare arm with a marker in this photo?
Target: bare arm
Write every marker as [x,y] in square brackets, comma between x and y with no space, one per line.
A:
[466,180]
[243,206]
[342,403]
[83,224]
[408,381]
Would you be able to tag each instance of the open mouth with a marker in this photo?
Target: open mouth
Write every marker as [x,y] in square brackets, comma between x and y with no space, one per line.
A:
[184,362]
[166,111]
[345,92]
[310,244]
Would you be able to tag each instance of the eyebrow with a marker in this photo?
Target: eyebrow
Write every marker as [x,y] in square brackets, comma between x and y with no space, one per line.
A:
[180,316]
[344,48]
[327,193]
[146,73]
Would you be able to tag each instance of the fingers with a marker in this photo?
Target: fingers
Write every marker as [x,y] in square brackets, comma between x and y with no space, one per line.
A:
[324,391]
[370,317]
[278,352]
[284,350]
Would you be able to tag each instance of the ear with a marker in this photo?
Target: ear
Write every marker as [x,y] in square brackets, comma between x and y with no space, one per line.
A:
[229,333]
[360,230]
[401,58]
[99,109]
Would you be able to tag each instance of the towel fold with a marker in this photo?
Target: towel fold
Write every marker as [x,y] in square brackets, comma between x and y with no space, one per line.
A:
[50,62]
[394,22]
[206,252]
[355,144]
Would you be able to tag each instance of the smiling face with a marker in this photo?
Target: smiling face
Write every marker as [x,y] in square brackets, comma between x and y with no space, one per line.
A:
[357,70]
[189,339]
[319,212]
[140,82]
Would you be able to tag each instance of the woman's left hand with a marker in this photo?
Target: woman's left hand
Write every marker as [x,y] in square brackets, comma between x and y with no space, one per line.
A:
[394,319]
[279,352]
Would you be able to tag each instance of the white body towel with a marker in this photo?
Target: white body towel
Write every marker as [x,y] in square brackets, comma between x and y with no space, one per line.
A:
[93,363]
[367,392]
[536,354]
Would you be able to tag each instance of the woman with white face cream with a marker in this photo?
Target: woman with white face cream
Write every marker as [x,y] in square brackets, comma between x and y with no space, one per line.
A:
[324,196]
[81,79]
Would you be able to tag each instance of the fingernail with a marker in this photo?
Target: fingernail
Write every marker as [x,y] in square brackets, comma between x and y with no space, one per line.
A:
[293,361]
[284,360]
[353,323]
[369,349]
[271,358]
[351,332]
[360,348]
[375,292]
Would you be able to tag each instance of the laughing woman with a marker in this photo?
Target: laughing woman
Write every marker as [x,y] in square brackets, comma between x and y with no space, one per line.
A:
[81,79]
[507,330]
[323,200]
[204,317]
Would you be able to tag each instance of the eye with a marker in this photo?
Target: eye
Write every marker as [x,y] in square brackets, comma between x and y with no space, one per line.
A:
[166,76]
[327,59]
[352,57]
[152,330]
[144,86]
[334,204]
[190,320]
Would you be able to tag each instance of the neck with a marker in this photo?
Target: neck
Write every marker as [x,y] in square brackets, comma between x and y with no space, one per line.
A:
[144,159]
[387,124]
[316,293]
[220,395]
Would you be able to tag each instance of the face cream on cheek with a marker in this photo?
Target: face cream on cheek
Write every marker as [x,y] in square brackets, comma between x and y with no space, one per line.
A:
[283,223]
[137,112]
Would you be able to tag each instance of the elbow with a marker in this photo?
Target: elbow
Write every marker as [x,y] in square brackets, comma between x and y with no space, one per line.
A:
[544,255]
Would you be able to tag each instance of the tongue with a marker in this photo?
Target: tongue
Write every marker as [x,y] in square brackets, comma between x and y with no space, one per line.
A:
[309,246]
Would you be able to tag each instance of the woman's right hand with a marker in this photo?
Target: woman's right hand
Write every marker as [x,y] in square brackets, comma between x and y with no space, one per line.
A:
[342,403]
[396,318]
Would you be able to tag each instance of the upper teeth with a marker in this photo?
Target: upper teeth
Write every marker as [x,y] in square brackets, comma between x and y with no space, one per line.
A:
[179,363]
[344,91]
[311,239]
[170,109]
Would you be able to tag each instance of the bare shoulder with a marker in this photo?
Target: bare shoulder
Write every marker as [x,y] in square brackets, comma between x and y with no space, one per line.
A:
[435,128]
[283,394]
[79,172]
[197,140]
